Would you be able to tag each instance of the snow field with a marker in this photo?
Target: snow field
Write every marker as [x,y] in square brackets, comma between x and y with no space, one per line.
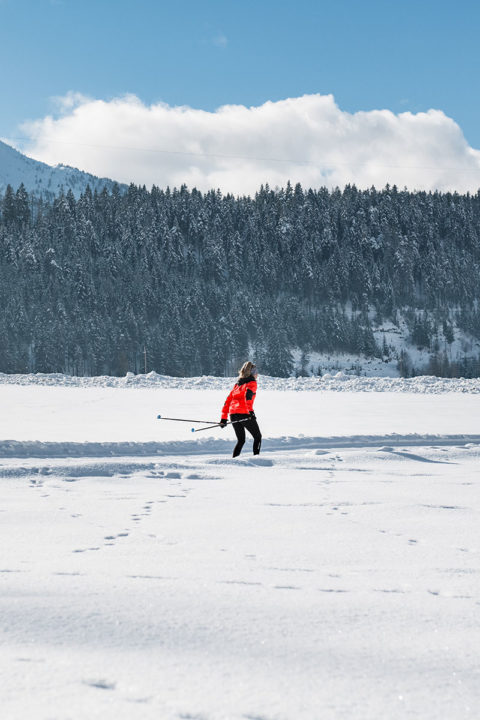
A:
[92,415]
[332,577]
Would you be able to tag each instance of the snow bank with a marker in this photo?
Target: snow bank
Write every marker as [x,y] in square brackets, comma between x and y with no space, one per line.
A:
[213,446]
[339,382]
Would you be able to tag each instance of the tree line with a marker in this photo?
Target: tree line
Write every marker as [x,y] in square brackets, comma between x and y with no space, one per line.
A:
[190,283]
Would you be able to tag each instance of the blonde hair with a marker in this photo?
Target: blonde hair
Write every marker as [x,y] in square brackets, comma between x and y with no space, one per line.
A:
[246,369]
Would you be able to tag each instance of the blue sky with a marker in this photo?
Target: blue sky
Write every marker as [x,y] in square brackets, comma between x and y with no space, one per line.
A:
[400,55]
[361,67]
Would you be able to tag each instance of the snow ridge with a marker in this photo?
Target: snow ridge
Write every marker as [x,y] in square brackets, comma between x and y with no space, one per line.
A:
[213,446]
[42,179]
[340,382]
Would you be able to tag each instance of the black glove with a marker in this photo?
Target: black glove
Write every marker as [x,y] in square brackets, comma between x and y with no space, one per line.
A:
[223,423]
[252,415]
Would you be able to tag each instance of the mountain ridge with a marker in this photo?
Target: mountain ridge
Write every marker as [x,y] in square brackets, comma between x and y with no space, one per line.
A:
[44,180]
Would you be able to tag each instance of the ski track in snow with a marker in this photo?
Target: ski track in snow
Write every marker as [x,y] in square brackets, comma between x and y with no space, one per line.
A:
[330,577]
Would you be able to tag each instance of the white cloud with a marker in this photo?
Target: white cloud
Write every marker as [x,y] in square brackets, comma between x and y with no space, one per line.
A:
[307,139]
[67,103]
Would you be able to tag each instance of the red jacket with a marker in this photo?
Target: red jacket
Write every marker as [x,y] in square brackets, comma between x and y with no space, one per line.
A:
[241,399]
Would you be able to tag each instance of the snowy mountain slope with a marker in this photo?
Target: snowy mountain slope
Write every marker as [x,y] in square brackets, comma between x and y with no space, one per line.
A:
[397,347]
[42,179]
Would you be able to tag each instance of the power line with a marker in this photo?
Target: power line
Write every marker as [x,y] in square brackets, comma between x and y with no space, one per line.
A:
[254,158]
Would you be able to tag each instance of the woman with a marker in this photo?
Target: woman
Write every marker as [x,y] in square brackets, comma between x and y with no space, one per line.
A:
[239,404]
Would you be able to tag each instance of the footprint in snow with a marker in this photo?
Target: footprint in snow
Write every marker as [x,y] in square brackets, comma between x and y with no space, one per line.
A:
[100,684]
[149,577]
[86,550]
[264,462]
[139,700]
[286,587]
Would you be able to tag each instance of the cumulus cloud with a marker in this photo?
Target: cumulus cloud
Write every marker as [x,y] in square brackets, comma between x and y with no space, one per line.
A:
[307,139]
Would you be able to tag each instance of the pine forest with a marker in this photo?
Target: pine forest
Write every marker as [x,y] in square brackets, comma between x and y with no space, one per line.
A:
[189,283]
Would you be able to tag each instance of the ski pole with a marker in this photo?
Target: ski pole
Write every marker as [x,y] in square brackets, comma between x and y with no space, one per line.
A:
[209,427]
[231,422]
[161,417]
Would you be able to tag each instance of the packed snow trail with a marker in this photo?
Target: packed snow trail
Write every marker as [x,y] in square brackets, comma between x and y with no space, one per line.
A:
[37,449]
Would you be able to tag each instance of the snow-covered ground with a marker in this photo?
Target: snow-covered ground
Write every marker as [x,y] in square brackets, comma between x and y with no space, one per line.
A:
[146,574]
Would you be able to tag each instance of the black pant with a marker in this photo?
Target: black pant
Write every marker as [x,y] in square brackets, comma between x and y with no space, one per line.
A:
[251,425]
